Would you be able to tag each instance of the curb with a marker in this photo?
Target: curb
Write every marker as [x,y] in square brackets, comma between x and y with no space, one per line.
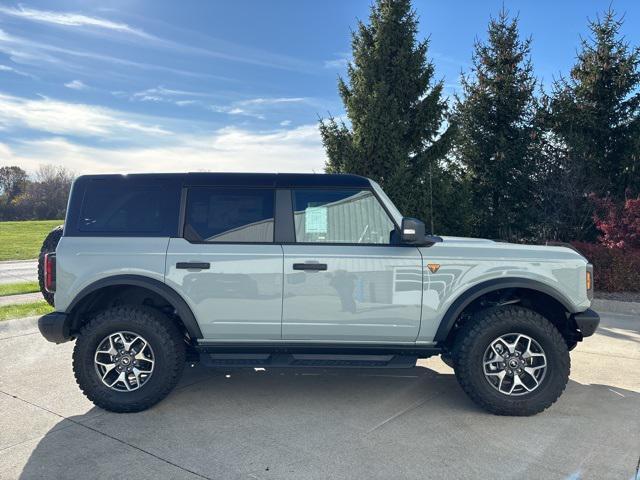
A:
[17,326]
[615,306]
[4,262]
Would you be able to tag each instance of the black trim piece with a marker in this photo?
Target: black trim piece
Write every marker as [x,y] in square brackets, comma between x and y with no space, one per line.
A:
[587,322]
[193,265]
[421,351]
[182,217]
[458,306]
[315,267]
[156,286]
[292,360]
[284,227]
[282,180]
[55,327]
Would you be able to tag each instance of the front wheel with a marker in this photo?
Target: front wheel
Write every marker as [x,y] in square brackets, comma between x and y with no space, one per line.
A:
[511,361]
[128,358]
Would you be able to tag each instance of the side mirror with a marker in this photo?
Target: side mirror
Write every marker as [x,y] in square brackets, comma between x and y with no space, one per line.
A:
[413,233]
[412,230]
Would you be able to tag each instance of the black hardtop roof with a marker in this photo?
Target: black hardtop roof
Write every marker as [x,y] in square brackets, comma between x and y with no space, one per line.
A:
[283,180]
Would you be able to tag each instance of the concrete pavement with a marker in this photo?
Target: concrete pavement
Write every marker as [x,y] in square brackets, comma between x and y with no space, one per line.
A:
[15,271]
[319,424]
[22,298]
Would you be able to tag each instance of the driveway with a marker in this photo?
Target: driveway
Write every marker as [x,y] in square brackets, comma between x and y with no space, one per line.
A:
[319,424]
[18,271]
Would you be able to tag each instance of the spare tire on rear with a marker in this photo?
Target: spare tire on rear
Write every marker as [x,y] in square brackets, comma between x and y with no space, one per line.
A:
[49,245]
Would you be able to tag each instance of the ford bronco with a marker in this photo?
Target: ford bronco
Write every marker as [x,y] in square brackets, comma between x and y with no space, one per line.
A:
[300,270]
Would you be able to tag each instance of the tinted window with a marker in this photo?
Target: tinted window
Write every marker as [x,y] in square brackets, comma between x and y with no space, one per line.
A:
[340,216]
[127,208]
[239,215]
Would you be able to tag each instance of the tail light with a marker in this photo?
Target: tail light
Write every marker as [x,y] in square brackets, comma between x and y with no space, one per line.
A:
[589,281]
[50,272]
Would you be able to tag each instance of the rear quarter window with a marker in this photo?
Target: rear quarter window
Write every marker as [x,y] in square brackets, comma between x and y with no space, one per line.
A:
[127,207]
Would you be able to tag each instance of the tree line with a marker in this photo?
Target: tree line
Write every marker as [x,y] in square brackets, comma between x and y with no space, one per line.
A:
[43,197]
[505,158]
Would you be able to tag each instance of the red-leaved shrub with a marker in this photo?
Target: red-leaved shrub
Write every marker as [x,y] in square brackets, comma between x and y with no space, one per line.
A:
[614,269]
[618,223]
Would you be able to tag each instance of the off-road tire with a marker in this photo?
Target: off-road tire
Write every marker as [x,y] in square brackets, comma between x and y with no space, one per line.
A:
[475,337]
[165,339]
[49,245]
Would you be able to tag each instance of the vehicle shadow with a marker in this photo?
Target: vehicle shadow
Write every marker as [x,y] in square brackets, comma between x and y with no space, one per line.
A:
[348,423]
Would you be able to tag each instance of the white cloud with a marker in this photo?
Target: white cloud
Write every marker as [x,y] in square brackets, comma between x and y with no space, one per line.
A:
[231,110]
[228,149]
[272,101]
[223,50]
[7,68]
[338,63]
[256,107]
[285,123]
[75,85]
[168,95]
[52,116]
[70,20]
[23,50]
[89,139]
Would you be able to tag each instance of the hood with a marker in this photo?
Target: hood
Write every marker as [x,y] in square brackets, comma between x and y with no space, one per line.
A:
[482,247]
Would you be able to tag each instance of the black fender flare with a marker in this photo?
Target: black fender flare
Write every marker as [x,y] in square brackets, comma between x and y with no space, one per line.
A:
[165,291]
[475,292]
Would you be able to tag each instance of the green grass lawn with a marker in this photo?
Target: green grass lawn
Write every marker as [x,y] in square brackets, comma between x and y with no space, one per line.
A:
[22,240]
[8,312]
[18,288]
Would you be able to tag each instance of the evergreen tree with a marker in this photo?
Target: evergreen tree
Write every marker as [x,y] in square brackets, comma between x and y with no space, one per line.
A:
[595,112]
[396,131]
[498,140]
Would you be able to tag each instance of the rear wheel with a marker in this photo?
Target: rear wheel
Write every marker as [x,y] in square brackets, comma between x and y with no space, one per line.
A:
[128,358]
[49,245]
[511,361]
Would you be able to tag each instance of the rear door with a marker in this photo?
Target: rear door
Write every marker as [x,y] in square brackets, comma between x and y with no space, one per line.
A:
[344,279]
[227,266]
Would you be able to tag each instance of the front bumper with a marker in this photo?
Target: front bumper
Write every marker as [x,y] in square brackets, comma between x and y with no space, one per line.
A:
[55,327]
[587,322]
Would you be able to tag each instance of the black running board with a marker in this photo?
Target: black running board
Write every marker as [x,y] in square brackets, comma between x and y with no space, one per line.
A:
[303,360]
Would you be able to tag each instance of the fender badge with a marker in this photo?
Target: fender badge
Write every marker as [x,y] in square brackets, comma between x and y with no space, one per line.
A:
[434,267]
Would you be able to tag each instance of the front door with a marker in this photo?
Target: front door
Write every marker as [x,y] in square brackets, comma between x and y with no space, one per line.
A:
[227,267]
[344,280]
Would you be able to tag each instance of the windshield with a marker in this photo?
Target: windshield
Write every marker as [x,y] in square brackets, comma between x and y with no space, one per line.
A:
[397,216]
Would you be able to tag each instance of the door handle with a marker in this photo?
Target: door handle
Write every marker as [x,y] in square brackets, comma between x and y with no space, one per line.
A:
[316,267]
[193,265]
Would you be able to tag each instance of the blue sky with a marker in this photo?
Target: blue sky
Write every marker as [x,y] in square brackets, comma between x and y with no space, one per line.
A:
[238,85]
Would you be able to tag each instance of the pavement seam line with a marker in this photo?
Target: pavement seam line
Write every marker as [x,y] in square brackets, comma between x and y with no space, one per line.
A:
[135,447]
[16,336]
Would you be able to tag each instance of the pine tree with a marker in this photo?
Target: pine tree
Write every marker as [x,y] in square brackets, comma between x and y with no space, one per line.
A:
[395,132]
[498,133]
[595,112]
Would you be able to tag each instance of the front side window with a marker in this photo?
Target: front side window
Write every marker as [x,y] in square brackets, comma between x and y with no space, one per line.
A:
[340,216]
[237,215]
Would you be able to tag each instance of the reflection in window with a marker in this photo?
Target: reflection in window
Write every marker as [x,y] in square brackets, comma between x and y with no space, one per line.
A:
[238,215]
[340,216]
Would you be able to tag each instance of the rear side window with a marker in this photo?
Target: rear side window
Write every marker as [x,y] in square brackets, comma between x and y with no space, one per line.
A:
[237,215]
[127,209]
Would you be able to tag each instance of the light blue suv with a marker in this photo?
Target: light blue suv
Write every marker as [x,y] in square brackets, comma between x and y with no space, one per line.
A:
[302,270]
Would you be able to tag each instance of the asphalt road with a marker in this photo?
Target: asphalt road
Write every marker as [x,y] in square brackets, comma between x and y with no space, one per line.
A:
[18,271]
[319,424]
